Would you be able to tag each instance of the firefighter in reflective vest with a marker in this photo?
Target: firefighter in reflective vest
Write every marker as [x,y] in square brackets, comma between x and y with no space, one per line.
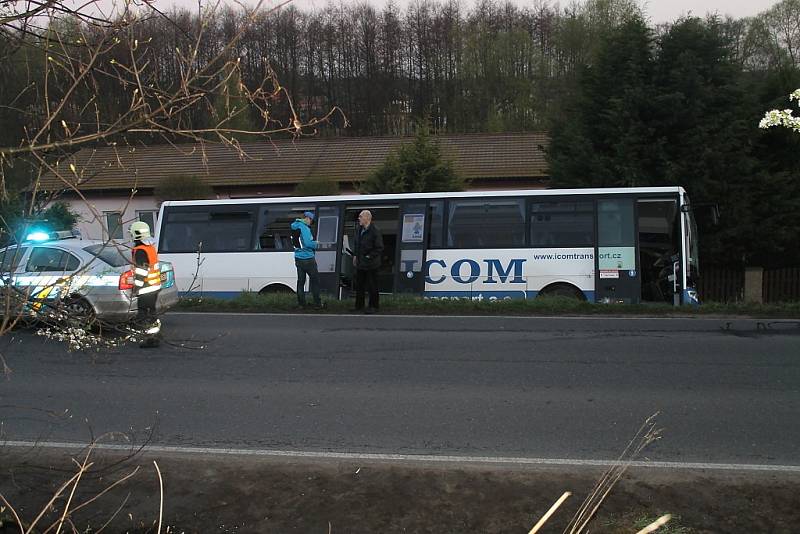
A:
[146,282]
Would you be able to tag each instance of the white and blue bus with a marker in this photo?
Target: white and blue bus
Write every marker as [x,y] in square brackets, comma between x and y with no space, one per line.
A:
[625,245]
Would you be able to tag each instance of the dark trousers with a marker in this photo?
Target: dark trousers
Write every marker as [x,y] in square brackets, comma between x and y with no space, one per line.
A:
[307,268]
[367,280]
[146,315]
[146,307]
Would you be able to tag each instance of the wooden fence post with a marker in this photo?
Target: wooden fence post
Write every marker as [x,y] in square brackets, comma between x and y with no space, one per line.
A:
[754,285]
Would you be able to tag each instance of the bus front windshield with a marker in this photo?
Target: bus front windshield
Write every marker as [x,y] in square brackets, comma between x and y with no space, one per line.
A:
[691,239]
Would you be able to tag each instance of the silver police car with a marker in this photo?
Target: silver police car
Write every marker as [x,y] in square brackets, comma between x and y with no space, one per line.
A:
[91,279]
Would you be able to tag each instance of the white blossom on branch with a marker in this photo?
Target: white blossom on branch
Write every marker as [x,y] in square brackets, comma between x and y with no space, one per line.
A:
[785,118]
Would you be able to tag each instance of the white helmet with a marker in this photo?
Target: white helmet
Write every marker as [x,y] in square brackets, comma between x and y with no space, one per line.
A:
[139,230]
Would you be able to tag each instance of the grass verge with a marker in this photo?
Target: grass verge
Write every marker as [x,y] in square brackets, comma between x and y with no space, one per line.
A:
[287,303]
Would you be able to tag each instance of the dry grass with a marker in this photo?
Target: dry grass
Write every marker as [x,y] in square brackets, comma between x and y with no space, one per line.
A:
[647,434]
[58,514]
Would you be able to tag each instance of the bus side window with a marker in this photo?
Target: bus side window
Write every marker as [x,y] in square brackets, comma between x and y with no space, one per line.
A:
[562,224]
[486,223]
[436,217]
[229,231]
[274,226]
[183,231]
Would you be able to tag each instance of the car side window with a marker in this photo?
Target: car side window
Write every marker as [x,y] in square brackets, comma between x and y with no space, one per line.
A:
[10,258]
[72,262]
[45,259]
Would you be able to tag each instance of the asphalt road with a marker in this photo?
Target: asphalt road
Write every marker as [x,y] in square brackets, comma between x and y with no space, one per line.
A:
[728,391]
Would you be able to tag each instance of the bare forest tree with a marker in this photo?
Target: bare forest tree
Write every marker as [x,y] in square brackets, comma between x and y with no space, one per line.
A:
[101,75]
[468,67]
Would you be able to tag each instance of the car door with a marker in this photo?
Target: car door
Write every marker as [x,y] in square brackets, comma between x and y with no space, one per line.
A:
[47,273]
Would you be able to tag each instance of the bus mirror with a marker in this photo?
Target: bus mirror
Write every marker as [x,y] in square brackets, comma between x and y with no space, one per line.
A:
[712,208]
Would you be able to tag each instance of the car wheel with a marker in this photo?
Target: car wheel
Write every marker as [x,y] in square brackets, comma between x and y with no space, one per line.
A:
[80,313]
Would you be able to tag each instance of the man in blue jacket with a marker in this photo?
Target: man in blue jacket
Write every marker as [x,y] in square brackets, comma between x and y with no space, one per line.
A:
[304,249]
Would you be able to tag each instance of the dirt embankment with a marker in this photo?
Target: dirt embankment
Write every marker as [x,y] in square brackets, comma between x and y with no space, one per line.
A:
[207,494]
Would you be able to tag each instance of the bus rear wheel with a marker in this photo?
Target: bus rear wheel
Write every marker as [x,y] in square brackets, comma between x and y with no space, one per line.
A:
[562,290]
[276,289]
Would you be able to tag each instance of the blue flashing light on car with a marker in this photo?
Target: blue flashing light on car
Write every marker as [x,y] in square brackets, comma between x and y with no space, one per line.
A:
[38,236]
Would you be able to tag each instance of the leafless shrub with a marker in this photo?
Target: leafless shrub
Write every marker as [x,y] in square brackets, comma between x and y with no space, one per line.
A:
[59,512]
[93,78]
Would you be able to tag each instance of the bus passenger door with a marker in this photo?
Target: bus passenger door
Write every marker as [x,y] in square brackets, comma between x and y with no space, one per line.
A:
[617,278]
[659,249]
[411,248]
[329,231]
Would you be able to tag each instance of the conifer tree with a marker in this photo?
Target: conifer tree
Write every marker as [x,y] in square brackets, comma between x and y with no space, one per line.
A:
[231,107]
[705,129]
[606,137]
[415,167]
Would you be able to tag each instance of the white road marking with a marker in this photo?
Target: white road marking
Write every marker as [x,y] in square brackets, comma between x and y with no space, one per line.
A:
[412,458]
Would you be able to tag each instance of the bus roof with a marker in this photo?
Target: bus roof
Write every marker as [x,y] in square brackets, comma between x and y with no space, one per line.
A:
[429,196]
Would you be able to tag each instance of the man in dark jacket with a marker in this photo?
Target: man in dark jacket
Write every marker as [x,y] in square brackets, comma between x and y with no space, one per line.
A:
[367,260]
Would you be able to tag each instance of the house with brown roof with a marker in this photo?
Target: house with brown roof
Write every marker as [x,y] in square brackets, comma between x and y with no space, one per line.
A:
[117,182]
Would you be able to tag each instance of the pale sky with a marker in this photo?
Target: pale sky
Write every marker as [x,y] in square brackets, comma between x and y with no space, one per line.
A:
[669,10]
[658,10]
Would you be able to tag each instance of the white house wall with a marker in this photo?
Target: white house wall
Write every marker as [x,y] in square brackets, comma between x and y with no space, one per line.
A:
[88,211]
